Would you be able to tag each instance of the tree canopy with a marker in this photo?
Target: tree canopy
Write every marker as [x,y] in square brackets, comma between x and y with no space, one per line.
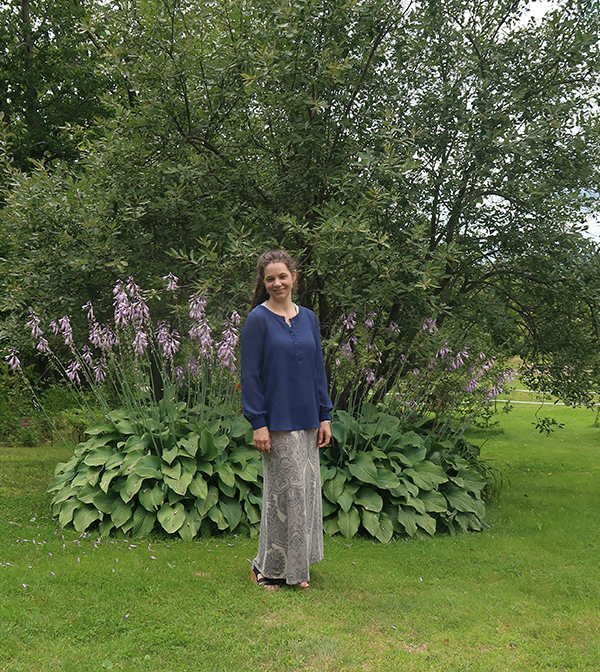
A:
[421,159]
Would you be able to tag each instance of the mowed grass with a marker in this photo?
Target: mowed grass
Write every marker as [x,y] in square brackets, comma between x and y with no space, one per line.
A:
[524,595]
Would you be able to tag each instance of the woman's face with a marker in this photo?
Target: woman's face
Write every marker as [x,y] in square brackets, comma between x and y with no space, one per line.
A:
[279,281]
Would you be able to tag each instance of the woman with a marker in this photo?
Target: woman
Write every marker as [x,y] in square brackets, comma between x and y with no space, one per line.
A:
[284,395]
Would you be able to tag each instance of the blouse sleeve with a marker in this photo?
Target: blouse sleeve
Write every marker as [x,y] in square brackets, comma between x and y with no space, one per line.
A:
[253,399]
[325,405]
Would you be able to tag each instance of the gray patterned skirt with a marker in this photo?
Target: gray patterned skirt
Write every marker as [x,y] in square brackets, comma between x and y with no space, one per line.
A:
[291,527]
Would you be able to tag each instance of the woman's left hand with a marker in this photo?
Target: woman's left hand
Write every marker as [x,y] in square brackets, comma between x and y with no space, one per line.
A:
[324,436]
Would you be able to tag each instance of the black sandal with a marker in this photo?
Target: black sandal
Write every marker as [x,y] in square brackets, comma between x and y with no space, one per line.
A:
[264,582]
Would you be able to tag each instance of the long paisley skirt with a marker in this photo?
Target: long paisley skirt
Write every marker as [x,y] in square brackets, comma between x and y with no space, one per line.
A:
[291,527]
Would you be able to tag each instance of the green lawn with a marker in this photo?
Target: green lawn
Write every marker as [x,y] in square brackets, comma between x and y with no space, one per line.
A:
[523,596]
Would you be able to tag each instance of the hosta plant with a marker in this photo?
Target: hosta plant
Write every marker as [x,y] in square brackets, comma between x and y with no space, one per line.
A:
[187,472]
[385,480]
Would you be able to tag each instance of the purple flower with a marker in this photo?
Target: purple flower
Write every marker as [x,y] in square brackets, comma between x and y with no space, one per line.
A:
[90,311]
[349,321]
[226,346]
[179,376]
[102,337]
[54,327]
[100,371]
[347,350]
[129,304]
[34,324]
[86,355]
[429,325]
[72,371]
[199,330]
[370,376]
[171,281]
[415,372]
[443,351]
[193,367]
[65,327]
[369,321]
[395,329]
[472,385]
[13,360]
[140,343]
[169,341]
[337,361]
[43,346]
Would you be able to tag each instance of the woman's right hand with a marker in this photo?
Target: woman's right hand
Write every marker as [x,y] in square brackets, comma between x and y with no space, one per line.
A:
[262,440]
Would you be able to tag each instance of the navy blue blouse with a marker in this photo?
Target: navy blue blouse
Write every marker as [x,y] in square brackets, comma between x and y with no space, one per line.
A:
[284,386]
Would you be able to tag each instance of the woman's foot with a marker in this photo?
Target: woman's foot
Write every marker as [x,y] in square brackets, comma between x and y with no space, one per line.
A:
[304,585]
[261,580]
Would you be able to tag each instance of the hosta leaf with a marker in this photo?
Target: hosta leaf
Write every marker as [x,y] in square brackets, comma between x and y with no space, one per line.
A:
[171,517]
[414,454]
[169,455]
[369,499]
[207,446]
[136,442]
[191,525]
[121,512]
[189,443]
[433,473]
[339,431]
[232,510]
[217,516]
[63,467]
[65,493]
[104,501]
[148,466]
[107,477]
[331,526]
[86,494]
[226,473]
[115,460]
[58,481]
[349,522]
[410,439]
[198,487]
[106,525]
[205,467]
[328,507]
[143,522]
[473,481]
[67,510]
[370,522]
[98,456]
[248,473]
[364,470]
[171,470]
[84,517]
[333,487]
[426,522]
[240,426]
[227,490]
[125,427]
[151,498]
[212,498]
[407,518]
[99,428]
[415,503]
[252,512]
[386,479]
[399,457]
[132,486]
[433,501]
[386,528]
[80,479]
[221,442]
[459,499]
[409,485]
[131,459]
[345,500]
[327,473]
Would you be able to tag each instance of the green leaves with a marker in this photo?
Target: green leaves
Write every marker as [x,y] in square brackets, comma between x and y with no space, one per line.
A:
[200,483]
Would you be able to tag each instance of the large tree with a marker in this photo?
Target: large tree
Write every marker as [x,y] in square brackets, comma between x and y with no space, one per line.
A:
[419,158]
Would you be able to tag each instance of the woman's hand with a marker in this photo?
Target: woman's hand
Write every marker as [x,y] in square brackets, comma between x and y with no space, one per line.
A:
[324,436]
[262,440]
